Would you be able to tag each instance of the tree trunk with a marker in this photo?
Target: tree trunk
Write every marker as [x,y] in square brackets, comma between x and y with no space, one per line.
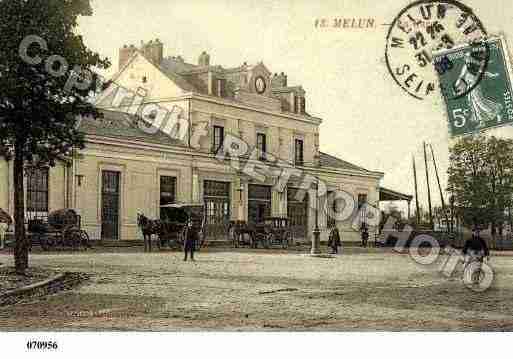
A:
[21,247]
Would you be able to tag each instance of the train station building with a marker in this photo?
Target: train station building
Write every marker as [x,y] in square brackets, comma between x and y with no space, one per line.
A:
[164,122]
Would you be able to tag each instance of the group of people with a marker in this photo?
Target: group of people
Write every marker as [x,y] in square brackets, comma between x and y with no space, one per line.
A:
[334,240]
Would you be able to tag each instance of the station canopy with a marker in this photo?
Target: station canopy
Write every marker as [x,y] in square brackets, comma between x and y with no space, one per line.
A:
[386,194]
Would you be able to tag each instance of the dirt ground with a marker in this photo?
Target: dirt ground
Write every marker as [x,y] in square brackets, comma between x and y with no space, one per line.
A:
[374,289]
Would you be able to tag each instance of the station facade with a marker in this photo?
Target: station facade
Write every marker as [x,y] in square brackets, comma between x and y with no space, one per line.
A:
[164,123]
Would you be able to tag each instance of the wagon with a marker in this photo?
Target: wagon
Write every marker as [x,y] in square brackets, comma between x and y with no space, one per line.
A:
[273,231]
[61,228]
[174,220]
[240,233]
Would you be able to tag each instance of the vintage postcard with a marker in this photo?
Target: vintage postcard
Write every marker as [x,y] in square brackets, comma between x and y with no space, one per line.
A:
[241,166]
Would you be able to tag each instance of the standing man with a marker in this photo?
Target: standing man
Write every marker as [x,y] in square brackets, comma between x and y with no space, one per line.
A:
[365,235]
[191,236]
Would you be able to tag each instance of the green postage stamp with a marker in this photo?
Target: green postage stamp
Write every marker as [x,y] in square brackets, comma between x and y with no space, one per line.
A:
[475,82]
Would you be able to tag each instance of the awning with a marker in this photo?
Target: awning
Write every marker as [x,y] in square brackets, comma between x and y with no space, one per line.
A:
[386,194]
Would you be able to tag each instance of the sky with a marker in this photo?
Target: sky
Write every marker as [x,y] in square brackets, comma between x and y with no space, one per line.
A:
[367,118]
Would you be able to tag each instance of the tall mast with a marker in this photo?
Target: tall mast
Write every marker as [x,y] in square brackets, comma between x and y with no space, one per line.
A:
[416,191]
[428,188]
[439,187]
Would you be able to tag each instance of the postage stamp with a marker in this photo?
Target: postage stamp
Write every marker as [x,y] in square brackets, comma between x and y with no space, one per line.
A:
[420,29]
[475,83]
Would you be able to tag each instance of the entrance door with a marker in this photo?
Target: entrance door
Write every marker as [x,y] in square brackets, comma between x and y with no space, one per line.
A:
[259,203]
[110,205]
[298,213]
[217,207]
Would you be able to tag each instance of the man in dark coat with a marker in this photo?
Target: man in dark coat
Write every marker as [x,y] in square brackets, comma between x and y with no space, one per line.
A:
[334,240]
[474,250]
[476,246]
[191,237]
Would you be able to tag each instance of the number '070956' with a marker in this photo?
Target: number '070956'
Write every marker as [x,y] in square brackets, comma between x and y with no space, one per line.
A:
[42,345]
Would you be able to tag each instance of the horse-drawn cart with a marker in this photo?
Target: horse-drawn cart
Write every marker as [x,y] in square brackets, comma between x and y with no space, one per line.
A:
[175,220]
[273,231]
[240,233]
[62,228]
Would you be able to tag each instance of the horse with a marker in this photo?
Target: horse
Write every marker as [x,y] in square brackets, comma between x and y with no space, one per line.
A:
[149,227]
[237,230]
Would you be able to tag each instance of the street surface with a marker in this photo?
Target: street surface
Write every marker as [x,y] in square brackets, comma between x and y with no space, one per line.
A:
[374,289]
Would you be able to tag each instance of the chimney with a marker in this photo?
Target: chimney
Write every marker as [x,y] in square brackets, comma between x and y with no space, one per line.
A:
[153,51]
[279,80]
[204,59]
[124,55]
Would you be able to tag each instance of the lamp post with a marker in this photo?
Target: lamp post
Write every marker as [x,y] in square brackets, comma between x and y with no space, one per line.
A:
[316,241]
[240,190]
[451,201]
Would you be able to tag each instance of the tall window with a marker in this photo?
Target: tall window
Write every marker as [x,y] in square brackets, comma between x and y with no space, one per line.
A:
[37,192]
[298,150]
[261,145]
[218,138]
[167,190]
[303,105]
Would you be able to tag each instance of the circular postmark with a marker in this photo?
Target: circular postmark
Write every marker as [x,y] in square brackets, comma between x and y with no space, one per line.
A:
[419,30]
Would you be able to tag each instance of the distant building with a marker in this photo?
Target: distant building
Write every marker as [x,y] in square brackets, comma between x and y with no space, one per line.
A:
[125,169]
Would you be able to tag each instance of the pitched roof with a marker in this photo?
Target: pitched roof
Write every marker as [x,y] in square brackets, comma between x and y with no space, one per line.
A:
[126,126]
[332,161]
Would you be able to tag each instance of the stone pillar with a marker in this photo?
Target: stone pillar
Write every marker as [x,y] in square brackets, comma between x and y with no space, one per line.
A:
[276,203]
[195,188]
[284,203]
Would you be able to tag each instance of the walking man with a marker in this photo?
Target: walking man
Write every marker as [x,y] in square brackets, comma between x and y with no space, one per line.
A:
[475,250]
[334,240]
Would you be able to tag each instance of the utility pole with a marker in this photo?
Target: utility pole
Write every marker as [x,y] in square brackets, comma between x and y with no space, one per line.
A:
[416,191]
[428,189]
[440,188]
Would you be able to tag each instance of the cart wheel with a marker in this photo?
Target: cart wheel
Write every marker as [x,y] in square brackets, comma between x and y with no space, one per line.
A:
[71,238]
[84,239]
[288,241]
[267,241]
[285,242]
[74,239]
[42,241]
[47,242]
[233,237]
